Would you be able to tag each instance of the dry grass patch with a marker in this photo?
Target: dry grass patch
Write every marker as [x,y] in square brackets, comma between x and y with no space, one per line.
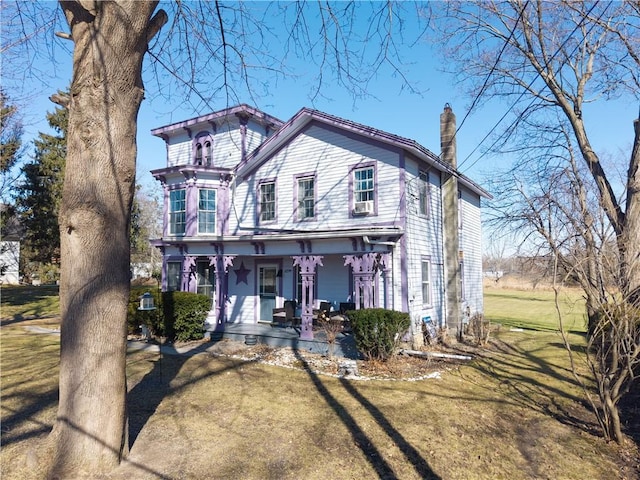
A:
[513,413]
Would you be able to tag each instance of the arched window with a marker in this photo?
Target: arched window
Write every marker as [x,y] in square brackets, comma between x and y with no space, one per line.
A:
[207,153]
[198,159]
[203,149]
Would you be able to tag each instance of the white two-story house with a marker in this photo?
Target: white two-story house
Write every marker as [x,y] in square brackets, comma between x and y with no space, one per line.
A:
[258,211]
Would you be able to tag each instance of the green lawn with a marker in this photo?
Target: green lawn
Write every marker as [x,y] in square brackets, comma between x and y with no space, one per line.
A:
[535,309]
[26,301]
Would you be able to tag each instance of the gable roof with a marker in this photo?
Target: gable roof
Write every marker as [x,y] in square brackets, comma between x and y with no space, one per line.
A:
[305,116]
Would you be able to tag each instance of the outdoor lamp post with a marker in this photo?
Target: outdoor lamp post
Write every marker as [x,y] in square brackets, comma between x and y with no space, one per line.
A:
[146,302]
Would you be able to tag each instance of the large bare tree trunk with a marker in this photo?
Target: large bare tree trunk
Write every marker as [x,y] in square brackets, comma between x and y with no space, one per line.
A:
[90,433]
[631,240]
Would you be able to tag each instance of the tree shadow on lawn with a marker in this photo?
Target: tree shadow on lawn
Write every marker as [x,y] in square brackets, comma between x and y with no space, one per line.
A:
[360,438]
[145,397]
[630,413]
[13,423]
[532,382]
[629,405]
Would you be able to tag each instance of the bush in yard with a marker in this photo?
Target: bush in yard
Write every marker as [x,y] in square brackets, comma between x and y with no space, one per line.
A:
[377,331]
[184,314]
[151,318]
[480,328]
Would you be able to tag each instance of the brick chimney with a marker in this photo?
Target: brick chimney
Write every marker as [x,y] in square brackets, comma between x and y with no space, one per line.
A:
[451,240]
[448,136]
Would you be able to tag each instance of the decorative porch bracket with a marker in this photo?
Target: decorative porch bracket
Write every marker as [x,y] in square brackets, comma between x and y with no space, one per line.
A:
[221,263]
[307,264]
[364,268]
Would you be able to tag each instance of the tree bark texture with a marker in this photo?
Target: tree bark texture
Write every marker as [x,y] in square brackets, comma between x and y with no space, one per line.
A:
[631,254]
[90,433]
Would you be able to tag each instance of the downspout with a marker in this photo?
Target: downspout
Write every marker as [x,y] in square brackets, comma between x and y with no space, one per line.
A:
[367,240]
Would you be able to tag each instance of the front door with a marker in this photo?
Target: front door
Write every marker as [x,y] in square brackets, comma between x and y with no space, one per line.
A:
[267,281]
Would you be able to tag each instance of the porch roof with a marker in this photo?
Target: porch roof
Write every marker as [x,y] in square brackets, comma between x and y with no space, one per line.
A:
[371,235]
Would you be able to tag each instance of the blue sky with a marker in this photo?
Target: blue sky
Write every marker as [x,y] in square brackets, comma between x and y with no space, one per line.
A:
[390,107]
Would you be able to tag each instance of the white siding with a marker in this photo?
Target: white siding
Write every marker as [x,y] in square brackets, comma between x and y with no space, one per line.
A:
[424,239]
[179,151]
[471,246]
[10,260]
[329,156]
[227,146]
[333,281]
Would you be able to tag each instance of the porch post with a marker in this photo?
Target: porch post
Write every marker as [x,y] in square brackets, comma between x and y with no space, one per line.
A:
[364,268]
[222,264]
[188,274]
[385,263]
[307,264]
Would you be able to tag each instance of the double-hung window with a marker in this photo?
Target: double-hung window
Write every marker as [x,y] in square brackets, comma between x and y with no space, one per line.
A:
[207,211]
[364,194]
[426,282]
[267,202]
[177,212]
[306,198]
[423,196]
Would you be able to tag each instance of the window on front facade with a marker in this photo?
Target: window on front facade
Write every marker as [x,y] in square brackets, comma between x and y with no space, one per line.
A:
[207,211]
[268,202]
[363,187]
[207,154]
[177,212]
[306,198]
[424,193]
[205,276]
[202,150]
[198,160]
[173,276]
[426,282]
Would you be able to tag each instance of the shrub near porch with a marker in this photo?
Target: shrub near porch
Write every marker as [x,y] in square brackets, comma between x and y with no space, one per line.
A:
[377,331]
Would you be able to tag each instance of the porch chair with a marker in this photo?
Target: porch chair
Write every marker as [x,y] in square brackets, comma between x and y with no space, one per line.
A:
[286,315]
[344,308]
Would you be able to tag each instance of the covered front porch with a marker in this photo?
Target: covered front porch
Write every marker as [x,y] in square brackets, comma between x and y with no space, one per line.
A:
[279,336]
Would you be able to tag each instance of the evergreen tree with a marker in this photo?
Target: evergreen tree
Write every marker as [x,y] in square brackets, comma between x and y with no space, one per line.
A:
[39,197]
[10,151]
[40,193]
[10,134]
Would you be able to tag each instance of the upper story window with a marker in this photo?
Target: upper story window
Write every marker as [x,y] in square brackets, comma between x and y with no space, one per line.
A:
[426,282]
[267,201]
[203,150]
[177,212]
[423,195]
[306,198]
[207,210]
[364,190]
